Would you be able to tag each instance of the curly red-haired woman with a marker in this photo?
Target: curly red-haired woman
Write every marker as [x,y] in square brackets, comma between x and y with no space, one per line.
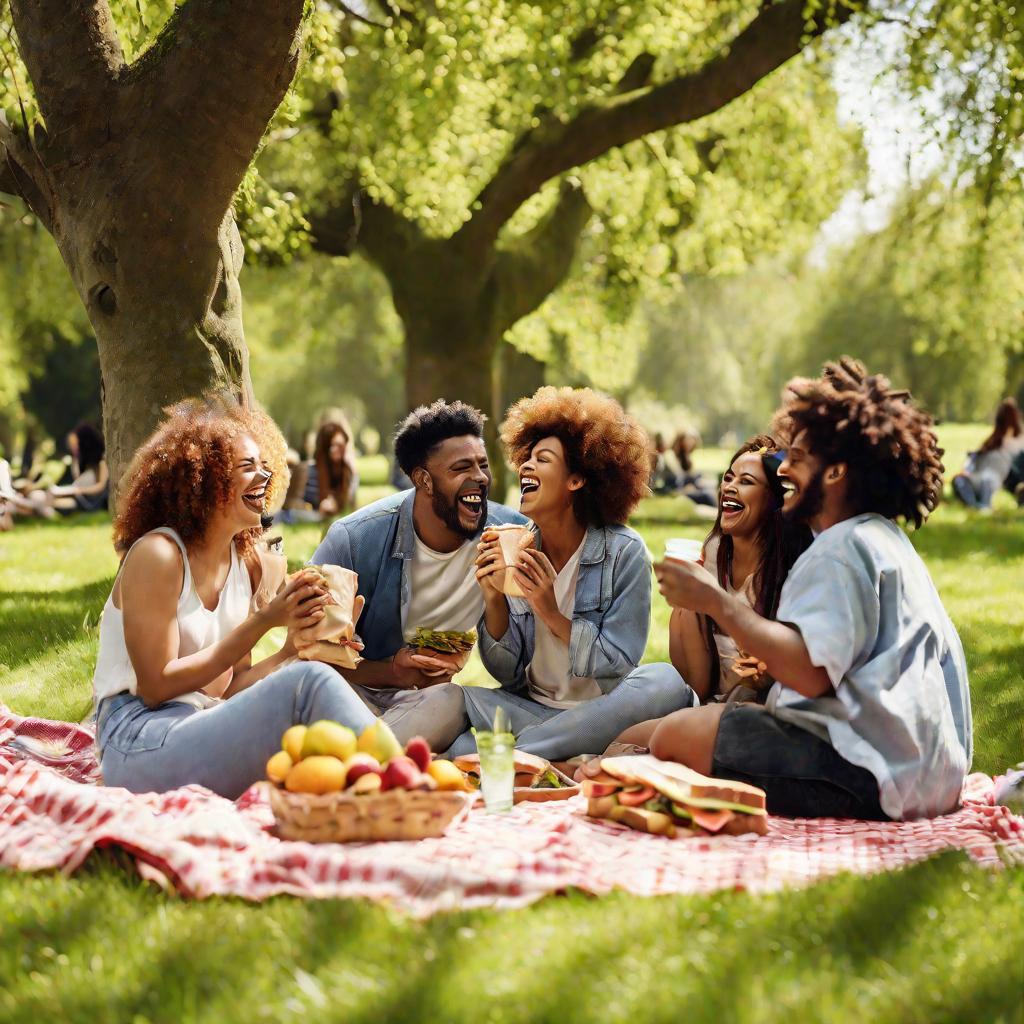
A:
[562,651]
[178,699]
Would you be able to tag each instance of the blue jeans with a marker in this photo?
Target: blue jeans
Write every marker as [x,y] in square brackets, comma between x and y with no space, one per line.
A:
[650,691]
[224,748]
[974,493]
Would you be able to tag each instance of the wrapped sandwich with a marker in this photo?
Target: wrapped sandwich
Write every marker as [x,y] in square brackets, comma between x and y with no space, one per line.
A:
[511,539]
[669,799]
[448,645]
[330,639]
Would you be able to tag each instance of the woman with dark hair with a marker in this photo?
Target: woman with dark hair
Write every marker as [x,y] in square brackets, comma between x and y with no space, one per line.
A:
[90,482]
[751,549]
[178,700]
[563,649]
[990,465]
[331,476]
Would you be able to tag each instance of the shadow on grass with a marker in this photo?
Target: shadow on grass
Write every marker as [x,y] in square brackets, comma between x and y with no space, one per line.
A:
[36,621]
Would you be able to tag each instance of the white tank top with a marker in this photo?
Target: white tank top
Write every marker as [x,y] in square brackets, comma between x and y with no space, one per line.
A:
[198,627]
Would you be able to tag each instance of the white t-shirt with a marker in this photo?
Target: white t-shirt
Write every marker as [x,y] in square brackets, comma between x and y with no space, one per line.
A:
[870,616]
[443,591]
[548,672]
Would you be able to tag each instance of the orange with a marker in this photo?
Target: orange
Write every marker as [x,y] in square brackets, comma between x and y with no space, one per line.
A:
[279,766]
[317,774]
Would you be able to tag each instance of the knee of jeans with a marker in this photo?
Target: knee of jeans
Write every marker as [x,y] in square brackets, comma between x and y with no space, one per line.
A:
[659,680]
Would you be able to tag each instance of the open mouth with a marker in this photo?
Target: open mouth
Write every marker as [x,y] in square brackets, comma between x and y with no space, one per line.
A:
[527,485]
[788,489]
[253,500]
[472,502]
[731,507]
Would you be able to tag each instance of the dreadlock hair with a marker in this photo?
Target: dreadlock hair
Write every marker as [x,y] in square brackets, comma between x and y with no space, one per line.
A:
[781,543]
[889,445]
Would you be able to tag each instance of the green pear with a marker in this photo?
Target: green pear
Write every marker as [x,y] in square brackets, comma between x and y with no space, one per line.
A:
[330,738]
[379,741]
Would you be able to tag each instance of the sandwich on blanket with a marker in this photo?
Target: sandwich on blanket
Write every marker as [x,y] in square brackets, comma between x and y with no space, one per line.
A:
[669,799]
[531,772]
[330,639]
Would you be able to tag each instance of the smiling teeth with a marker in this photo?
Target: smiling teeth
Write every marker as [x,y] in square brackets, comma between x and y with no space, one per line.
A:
[732,506]
[528,483]
[473,499]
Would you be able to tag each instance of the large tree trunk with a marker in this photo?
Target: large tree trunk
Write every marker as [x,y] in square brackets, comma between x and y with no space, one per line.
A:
[134,175]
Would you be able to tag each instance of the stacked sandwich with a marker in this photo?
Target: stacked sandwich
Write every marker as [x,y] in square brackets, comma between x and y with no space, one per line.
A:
[531,772]
[668,799]
[448,645]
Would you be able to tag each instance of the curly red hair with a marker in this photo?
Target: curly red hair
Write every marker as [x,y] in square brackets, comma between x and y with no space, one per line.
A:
[603,443]
[182,474]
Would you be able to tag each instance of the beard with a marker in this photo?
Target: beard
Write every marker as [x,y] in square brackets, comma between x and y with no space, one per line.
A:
[448,512]
[810,502]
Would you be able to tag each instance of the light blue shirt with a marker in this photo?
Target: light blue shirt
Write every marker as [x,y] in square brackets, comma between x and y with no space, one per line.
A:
[870,616]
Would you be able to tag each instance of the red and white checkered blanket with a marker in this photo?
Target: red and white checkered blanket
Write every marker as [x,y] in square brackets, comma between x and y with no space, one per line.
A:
[204,845]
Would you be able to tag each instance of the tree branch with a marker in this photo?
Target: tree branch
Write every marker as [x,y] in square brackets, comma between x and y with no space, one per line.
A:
[212,81]
[23,175]
[358,222]
[73,56]
[777,33]
[534,265]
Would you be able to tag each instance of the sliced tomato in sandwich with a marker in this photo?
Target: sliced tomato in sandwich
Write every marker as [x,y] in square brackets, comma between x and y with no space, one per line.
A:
[636,797]
[711,821]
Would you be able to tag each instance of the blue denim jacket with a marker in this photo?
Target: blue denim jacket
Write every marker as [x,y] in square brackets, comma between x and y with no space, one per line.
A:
[610,620]
[378,543]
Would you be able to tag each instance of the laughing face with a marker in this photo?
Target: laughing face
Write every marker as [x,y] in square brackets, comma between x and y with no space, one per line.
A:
[250,479]
[546,484]
[745,498]
[459,478]
[801,475]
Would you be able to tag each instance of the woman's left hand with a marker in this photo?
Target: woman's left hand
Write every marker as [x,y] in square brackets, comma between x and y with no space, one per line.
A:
[536,575]
[686,585]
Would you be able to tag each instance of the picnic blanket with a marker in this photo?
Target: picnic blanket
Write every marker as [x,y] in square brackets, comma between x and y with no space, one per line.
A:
[53,817]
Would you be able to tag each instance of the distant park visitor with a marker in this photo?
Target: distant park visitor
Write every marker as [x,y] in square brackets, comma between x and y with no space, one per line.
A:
[989,467]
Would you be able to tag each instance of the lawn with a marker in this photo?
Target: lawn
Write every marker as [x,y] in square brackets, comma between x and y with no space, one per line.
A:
[938,942]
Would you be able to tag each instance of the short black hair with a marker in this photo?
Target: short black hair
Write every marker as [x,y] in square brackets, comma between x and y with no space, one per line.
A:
[419,434]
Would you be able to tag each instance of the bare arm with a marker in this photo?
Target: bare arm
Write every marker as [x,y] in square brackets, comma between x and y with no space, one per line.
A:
[688,652]
[149,587]
[779,646]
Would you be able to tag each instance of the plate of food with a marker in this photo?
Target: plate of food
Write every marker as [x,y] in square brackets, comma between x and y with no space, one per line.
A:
[535,778]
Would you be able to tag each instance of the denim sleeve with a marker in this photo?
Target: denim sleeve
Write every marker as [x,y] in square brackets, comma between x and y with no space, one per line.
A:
[609,650]
[503,658]
[335,548]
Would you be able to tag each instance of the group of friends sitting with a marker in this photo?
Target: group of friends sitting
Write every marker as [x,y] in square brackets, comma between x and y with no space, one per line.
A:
[810,654]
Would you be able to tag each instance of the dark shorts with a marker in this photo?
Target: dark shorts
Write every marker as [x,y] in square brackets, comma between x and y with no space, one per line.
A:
[802,775]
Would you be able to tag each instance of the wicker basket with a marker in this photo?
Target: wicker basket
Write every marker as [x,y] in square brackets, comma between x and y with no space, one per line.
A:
[343,818]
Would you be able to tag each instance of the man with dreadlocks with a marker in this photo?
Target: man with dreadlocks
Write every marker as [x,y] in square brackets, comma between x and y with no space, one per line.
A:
[871,715]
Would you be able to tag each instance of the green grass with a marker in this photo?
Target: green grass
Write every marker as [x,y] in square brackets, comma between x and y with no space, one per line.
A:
[940,941]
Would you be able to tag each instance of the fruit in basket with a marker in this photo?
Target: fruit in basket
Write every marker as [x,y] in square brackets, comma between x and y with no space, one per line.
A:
[418,749]
[292,741]
[279,766]
[447,776]
[332,738]
[319,773]
[379,741]
[365,785]
[401,773]
[359,765]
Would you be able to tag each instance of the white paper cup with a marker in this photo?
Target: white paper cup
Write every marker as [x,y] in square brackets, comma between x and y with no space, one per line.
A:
[682,549]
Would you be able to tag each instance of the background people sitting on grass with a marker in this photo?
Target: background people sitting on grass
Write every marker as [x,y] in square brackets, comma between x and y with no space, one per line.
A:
[88,489]
[871,716]
[990,466]
[561,651]
[178,698]
[415,553]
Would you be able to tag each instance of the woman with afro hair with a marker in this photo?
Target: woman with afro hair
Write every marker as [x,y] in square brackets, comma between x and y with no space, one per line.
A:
[562,650]
[178,700]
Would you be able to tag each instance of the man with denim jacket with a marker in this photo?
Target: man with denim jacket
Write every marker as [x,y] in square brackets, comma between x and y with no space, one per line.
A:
[415,552]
